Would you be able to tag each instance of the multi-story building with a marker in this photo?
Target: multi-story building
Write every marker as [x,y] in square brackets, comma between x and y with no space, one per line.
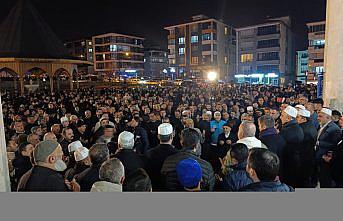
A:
[118,54]
[81,49]
[266,53]
[302,65]
[155,63]
[201,46]
[316,38]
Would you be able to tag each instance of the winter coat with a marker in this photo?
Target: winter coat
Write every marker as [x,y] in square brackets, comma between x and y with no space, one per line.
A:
[88,177]
[274,186]
[130,160]
[236,179]
[42,179]
[292,161]
[169,171]
[156,156]
[252,142]
[328,140]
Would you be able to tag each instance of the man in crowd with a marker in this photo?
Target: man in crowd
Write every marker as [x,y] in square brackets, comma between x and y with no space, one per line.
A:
[307,153]
[263,168]
[126,154]
[329,135]
[294,137]
[216,127]
[45,174]
[98,154]
[157,155]
[189,140]
[111,177]
[189,175]
[246,135]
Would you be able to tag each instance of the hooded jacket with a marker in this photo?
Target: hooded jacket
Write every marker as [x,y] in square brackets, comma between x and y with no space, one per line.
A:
[274,186]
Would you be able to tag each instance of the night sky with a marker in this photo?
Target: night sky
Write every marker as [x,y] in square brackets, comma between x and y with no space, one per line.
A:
[73,19]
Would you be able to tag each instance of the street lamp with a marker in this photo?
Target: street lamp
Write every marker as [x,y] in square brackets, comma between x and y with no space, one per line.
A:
[212,75]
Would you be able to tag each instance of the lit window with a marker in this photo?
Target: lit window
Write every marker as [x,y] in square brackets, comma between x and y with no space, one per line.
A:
[225,60]
[182,40]
[89,43]
[113,47]
[247,58]
[83,43]
[195,60]
[90,50]
[206,37]
[181,51]
[195,39]
[225,30]
[319,69]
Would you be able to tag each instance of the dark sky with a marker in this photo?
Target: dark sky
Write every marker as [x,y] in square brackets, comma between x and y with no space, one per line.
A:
[72,19]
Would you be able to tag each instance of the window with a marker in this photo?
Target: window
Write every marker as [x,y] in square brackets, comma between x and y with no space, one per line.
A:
[268,43]
[268,56]
[317,28]
[181,40]
[90,43]
[181,51]
[194,28]
[206,37]
[90,50]
[246,33]
[225,60]
[195,48]
[194,39]
[113,48]
[206,25]
[225,30]
[268,69]
[172,61]
[246,69]
[99,40]
[206,47]
[317,44]
[171,41]
[247,58]
[267,30]
[206,59]
[195,60]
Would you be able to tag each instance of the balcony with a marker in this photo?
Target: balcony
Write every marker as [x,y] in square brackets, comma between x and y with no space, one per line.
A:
[209,30]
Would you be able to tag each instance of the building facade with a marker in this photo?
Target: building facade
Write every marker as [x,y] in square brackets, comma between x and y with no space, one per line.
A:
[302,66]
[81,49]
[118,55]
[156,63]
[200,46]
[266,53]
[316,38]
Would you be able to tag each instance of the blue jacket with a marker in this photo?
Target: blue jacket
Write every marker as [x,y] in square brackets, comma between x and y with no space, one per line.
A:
[274,186]
[218,131]
[236,179]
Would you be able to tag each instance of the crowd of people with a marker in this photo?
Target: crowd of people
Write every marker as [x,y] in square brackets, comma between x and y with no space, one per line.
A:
[202,138]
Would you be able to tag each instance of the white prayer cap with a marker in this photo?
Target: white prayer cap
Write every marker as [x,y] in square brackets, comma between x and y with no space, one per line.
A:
[74,146]
[250,108]
[81,154]
[326,111]
[304,113]
[291,111]
[165,129]
[126,140]
[209,113]
[300,107]
[217,113]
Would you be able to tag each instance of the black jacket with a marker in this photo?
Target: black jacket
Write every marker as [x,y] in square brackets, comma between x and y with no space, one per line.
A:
[337,165]
[142,144]
[88,177]
[42,179]
[292,161]
[169,171]
[307,154]
[131,160]
[275,186]
[71,172]
[21,165]
[155,158]
[328,140]
[64,144]
[236,179]
[275,143]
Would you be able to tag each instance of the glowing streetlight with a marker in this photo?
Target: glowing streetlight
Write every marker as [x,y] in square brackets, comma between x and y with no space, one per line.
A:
[212,75]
